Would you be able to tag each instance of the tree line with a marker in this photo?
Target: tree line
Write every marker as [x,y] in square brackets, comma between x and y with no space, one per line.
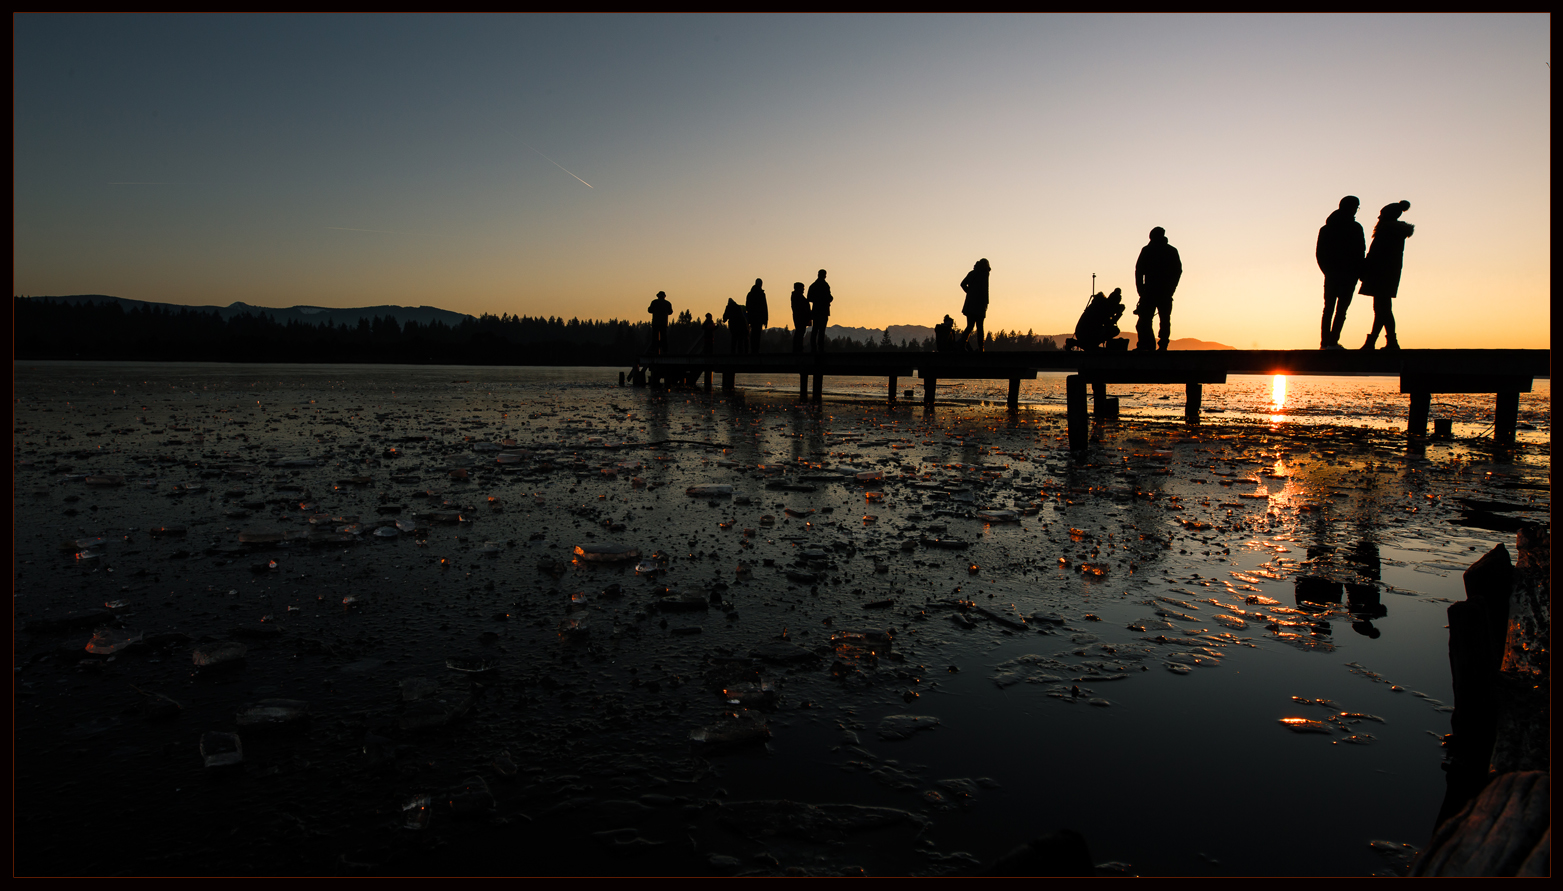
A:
[50,329]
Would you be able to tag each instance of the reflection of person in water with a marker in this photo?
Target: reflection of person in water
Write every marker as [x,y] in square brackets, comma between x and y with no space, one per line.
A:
[1359,566]
[1339,252]
[758,313]
[800,316]
[1362,597]
[1381,270]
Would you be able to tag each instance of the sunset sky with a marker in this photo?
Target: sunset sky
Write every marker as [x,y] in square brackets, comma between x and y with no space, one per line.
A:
[444,161]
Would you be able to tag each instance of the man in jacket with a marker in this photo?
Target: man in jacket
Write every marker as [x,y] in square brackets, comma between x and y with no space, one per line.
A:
[1156,275]
[1339,252]
[758,313]
[660,309]
[800,316]
[819,304]
[737,327]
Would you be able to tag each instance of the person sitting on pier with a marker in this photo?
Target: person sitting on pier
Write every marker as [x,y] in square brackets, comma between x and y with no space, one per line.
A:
[1381,270]
[975,309]
[800,316]
[1339,252]
[708,335]
[758,313]
[819,305]
[1156,275]
[1098,324]
[660,310]
[944,336]
[737,327]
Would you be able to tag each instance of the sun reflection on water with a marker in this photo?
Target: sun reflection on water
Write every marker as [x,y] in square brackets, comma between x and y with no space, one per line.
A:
[1278,399]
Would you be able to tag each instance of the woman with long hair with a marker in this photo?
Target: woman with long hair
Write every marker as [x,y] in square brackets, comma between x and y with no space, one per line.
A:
[1381,270]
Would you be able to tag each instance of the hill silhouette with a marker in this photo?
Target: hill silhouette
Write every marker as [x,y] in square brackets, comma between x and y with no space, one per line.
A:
[94,326]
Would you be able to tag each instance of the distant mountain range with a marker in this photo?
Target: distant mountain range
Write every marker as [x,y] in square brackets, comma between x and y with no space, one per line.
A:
[423,315]
[313,315]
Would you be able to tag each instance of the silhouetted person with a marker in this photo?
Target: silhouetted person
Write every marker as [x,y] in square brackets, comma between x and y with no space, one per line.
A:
[660,310]
[1381,270]
[1339,253]
[819,310]
[975,309]
[944,336]
[800,316]
[708,335]
[1099,322]
[737,327]
[758,313]
[1156,275]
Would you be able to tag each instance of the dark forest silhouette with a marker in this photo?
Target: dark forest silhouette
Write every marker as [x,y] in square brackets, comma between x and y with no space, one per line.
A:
[49,329]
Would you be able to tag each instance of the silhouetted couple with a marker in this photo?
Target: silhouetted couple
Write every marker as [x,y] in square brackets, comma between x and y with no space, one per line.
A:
[1340,255]
[1156,276]
[746,321]
[811,309]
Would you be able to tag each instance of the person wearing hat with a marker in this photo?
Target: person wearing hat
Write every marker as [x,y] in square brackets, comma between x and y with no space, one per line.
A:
[660,310]
[1339,252]
[1381,270]
[1156,275]
[975,309]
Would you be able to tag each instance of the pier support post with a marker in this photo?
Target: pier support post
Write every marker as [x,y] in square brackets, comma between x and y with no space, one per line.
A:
[819,387]
[892,389]
[1079,422]
[1014,394]
[727,380]
[803,388]
[1507,417]
[1195,393]
[930,387]
[1421,405]
[710,373]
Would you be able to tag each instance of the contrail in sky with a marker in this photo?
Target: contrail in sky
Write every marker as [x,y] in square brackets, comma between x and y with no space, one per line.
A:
[555,163]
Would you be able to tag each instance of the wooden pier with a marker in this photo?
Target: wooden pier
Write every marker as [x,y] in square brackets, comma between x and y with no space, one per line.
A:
[1504,373]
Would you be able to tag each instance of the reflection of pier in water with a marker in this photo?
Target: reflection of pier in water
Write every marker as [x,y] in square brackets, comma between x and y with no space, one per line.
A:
[1505,373]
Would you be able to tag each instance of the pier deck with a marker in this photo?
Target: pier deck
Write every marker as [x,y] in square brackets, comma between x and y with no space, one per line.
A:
[1504,373]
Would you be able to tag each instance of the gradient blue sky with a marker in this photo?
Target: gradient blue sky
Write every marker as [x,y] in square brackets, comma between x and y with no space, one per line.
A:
[345,161]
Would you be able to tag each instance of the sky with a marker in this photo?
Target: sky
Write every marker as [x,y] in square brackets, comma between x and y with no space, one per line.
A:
[575,165]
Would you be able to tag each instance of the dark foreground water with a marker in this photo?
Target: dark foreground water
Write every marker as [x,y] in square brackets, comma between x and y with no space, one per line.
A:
[816,671]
